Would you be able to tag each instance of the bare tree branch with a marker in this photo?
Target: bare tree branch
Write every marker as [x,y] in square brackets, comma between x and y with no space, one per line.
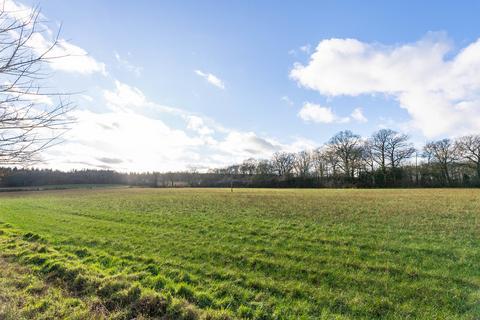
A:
[31,118]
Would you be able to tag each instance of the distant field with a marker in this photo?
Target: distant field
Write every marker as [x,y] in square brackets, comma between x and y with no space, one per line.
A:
[254,254]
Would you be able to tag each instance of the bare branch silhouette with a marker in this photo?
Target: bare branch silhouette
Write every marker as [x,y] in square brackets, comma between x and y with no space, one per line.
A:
[31,119]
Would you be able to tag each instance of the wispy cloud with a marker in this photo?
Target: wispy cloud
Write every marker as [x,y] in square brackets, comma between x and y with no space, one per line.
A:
[127,65]
[306,48]
[211,78]
[287,100]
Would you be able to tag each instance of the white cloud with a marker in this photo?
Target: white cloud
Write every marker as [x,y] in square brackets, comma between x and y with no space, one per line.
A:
[64,56]
[316,113]
[86,97]
[128,98]
[242,145]
[300,144]
[197,124]
[124,97]
[137,71]
[17,10]
[357,115]
[211,78]
[441,94]
[312,112]
[136,142]
[136,134]
[70,58]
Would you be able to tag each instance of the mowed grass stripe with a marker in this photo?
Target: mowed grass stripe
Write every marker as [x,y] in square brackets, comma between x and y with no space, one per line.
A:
[353,253]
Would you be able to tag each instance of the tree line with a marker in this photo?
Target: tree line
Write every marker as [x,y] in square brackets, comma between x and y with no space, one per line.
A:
[386,159]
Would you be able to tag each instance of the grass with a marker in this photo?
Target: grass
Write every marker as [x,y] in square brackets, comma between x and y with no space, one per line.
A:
[253,254]
[24,296]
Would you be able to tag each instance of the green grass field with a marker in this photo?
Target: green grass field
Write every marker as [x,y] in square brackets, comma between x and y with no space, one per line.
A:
[254,254]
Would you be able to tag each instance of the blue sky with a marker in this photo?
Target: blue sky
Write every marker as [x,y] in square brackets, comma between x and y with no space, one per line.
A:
[207,83]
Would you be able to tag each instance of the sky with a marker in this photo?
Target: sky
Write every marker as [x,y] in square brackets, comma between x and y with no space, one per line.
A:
[181,85]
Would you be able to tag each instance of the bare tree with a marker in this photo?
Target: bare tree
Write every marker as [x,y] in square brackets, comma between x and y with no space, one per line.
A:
[444,153]
[469,149]
[319,163]
[388,148]
[283,162]
[264,168]
[30,120]
[303,163]
[347,146]
[248,166]
[332,160]
[377,146]
[368,159]
[233,169]
[399,149]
